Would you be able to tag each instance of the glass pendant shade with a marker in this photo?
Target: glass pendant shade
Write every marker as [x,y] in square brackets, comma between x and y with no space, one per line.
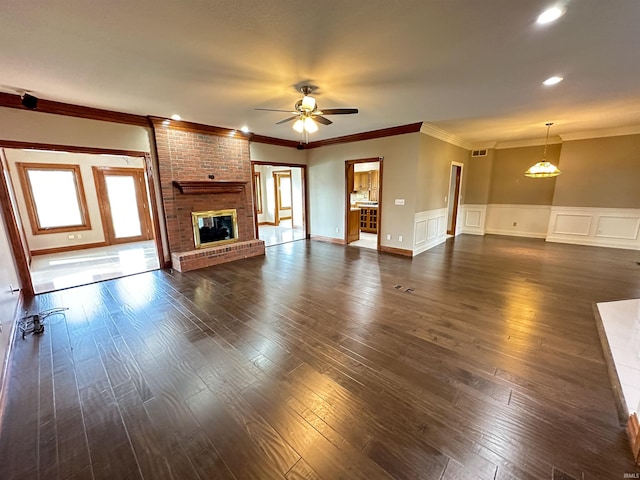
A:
[543,169]
[298,125]
[309,125]
[308,103]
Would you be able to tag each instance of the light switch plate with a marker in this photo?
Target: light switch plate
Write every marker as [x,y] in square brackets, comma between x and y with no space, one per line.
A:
[399,201]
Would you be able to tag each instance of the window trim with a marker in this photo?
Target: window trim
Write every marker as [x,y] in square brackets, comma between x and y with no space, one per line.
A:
[23,168]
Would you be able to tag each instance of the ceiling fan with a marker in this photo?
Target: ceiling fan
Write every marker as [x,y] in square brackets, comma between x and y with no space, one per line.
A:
[306,113]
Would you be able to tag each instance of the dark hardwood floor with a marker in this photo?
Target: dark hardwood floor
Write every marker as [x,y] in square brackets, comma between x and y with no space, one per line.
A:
[478,359]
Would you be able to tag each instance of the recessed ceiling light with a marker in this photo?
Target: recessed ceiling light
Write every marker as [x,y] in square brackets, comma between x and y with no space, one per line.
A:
[175,116]
[245,129]
[552,80]
[550,15]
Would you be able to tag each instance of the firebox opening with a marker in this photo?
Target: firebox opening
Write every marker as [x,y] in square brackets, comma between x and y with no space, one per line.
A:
[214,227]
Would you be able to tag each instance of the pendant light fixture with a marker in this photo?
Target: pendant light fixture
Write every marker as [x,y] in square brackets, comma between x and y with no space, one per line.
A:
[543,169]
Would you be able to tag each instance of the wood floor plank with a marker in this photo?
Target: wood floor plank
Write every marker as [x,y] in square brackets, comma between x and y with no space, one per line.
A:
[309,363]
[226,434]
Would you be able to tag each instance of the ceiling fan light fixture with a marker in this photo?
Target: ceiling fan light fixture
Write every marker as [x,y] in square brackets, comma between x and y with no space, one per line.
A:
[298,125]
[543,169]
[308,103]
[310,126]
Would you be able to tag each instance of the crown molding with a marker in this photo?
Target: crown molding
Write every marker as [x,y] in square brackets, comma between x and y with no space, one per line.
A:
[483,145]
[531,142]
[58,108]
[357,137]
[161,122]
[440,134]
[610,132]
[275,141]
[70,148]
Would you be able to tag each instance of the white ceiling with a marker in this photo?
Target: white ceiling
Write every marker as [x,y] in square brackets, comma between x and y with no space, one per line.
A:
[470,67]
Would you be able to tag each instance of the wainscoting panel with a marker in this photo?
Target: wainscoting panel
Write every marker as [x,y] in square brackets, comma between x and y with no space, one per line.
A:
[600,227]
[618,227]
[430,229]
[518,220]
[471,219]
[572,224]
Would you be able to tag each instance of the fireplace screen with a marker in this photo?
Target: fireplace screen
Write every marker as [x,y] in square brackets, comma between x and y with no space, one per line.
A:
[215,227]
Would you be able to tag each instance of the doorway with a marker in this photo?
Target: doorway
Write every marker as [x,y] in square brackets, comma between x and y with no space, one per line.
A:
[455,180]
[279,202]
[83,216]
[124,208]
[363,207]
[284,193]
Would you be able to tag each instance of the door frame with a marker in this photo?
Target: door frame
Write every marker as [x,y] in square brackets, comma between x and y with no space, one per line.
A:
[142,196]
[348,182]
[15,228]
[276,189]
[456,169]
[305,203]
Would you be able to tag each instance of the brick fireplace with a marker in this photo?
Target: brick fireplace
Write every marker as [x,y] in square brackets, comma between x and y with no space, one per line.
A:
[188,155]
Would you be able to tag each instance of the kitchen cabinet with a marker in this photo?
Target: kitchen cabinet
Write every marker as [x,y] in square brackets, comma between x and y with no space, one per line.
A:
[369,219]
[361,181]
[367,182]
[374,176]
[353,225]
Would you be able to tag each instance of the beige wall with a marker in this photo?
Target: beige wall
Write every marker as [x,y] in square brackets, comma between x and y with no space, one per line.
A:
[86,162]
[434,172]
[600,172]
[478,179]
[261,152]
[508,183]
[327,185]
[38,127]
[8,300]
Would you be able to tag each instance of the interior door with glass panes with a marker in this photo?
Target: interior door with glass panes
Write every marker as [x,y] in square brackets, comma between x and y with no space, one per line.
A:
[283,195]
[122,195]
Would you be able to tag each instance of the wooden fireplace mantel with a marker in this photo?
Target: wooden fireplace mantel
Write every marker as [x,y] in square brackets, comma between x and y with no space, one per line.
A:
[204,187]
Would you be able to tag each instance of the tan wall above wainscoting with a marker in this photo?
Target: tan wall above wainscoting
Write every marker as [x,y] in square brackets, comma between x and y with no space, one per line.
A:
[600,172]
[434,172]
[477,179]
[508,183]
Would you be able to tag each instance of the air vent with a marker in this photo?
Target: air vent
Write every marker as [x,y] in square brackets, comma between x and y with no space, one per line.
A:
[479,153]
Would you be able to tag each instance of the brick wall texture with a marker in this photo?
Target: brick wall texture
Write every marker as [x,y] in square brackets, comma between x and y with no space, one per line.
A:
[185,155]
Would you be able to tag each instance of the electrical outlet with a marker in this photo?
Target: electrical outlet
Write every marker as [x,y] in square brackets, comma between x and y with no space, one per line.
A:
[445,199]
[399,238]
[388,237]
[79,236]
[337,229]
[71,236]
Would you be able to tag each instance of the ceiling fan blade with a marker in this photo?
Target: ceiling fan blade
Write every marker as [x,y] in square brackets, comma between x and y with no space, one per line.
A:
[287,120]
[273,110]
[339,111]
[322,120]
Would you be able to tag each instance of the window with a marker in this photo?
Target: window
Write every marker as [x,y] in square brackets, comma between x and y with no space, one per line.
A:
[257,189]
[55,197]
